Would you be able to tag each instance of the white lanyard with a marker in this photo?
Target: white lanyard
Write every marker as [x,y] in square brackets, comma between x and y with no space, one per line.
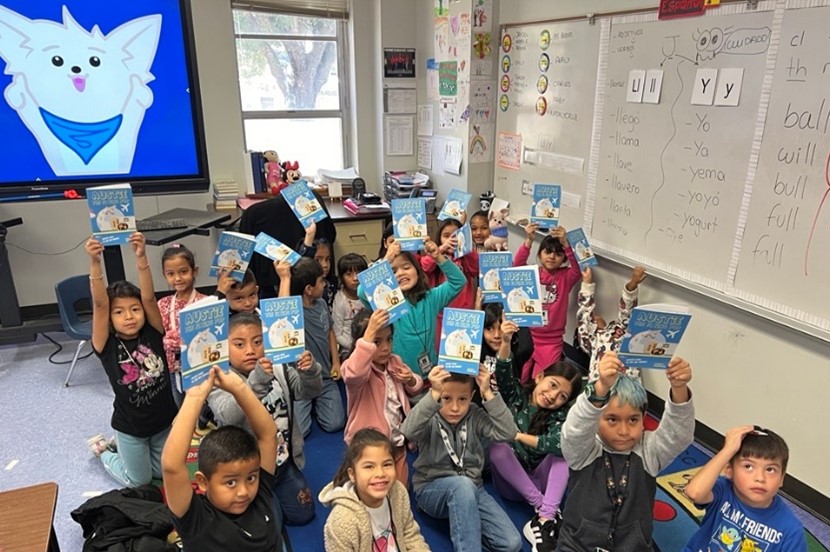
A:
[173,316]
[448,445]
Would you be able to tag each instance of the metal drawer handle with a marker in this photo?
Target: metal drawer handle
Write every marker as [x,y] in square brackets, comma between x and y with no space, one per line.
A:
[361,236]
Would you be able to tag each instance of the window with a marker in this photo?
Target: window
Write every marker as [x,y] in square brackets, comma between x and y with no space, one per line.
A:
[291,80]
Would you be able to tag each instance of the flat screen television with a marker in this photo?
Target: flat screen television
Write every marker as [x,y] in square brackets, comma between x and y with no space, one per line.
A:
[97,92]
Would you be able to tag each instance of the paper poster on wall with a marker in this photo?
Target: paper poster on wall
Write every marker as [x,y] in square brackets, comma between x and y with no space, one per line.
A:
[482,102]
[441,39]
[399,100]
[424,153]
[399,135]
[482,15]
[464,39]
[425,114]
[442,7]
[448,78]
[509,151]
[481,143]
[481,68]
[463,94]
[455,25]
[399,63]
[438,157]
[432,80]
[453,154]
[446,113]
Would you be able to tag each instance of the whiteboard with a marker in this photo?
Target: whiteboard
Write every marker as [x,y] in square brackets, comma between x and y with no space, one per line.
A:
[552,110]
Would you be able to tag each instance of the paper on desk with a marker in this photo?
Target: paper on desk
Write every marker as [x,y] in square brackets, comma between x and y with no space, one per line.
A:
[346,175]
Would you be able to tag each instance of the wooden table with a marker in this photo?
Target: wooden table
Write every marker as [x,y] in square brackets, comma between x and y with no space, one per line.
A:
[26,523]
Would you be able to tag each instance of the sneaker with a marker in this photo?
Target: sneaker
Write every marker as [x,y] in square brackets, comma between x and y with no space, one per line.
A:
[540,535]
[97,445]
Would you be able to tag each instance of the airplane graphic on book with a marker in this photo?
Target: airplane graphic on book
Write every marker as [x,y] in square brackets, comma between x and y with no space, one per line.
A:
[295,319]
[219,328]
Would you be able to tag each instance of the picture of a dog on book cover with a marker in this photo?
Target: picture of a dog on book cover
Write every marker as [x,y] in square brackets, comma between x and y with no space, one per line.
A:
[81,93]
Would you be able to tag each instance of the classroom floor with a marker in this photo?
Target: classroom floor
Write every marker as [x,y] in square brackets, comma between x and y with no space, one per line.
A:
[45,427]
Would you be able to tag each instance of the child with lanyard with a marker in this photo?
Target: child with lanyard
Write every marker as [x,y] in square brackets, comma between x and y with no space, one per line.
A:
[127,332]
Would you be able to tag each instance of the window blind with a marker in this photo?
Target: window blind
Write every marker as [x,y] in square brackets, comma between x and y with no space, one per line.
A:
[333,9]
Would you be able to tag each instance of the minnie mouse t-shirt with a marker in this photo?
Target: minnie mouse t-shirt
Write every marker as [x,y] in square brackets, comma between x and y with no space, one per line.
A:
[137,371]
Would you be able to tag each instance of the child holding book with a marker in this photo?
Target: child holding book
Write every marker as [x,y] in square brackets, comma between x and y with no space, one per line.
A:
[521,344]
[346,303]
[276,386]
[447,480]
[241,296]
[415,343]
[369,508]
[557,280]
[386,240]
[321,251]
[127,332]
[180,271]
[531,468]
[613,477]
[755,461]
[234,510]
[480,230]
[378,384]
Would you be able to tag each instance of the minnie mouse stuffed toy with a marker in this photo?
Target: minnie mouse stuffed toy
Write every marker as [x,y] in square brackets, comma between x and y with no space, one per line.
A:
[291,172]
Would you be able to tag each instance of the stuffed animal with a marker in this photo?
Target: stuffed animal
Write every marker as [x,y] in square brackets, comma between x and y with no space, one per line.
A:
[291,172]
[273,172]
[498,231]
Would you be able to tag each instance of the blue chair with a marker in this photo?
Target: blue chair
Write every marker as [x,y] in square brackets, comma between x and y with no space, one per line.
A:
[69,293]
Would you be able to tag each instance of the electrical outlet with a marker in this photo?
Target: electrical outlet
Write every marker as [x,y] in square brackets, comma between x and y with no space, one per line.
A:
[527,187]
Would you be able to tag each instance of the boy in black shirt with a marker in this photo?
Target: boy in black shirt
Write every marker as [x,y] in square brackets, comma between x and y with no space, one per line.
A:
[235,474]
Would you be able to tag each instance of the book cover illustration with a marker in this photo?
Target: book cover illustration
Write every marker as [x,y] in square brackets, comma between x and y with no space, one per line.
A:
[464,242]
[382,290]
[409,222]
[461,333]
[282,319]
[204,333]
[582,249]
[455,206]
[522,295]
[111,213]
[545,208]
[489,264]
[274,249]
[233,252]
[304,203]
[654,332]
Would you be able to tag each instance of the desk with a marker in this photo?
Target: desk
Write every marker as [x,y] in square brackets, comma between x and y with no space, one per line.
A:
[198,223]
[26,524]
[361,234]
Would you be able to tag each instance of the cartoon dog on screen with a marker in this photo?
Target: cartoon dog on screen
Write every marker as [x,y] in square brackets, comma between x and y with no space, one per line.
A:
[82,94]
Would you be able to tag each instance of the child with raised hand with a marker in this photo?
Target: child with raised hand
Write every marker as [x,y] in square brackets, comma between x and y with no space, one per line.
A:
[613,478]
[276,386]
[531,468]
[468,265]
[386,240]
[521,343]
[480,230]
[378,384]
[557,280]
[447,481]
[369,508]
[321,251]
[415,343]
[180,271]
[236,475]
[595,336]
[346,303]
[241,296]
[127,332]
[755,461]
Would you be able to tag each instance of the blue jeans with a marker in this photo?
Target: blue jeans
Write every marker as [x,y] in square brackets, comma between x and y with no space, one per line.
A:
[328,407]
[138,460]
[476,520]
[292,495]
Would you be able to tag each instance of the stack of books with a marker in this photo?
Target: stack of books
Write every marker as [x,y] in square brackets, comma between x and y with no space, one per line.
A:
[225,194]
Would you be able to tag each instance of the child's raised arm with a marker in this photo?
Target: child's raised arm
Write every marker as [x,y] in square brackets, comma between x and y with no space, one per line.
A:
[145,282]
[100,299]
[523,252]
[586,325]
[699,489]
[283,270]
[628,299]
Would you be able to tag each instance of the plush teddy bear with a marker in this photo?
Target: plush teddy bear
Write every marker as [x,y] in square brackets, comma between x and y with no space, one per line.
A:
[273,172]
[498,231]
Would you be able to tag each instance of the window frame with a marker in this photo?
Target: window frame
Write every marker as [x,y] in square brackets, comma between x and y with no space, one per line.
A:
[343,84]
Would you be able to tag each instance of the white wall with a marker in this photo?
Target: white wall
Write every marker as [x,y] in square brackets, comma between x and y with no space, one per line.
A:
[746,369]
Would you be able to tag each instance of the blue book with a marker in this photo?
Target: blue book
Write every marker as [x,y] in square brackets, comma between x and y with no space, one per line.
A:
[461,333]
[489,264]
[654,332]
[582,249]
[409,222]
[234,252]
[545,208]
[464,242]
[282,320]
[204,333]
[274,249]
[521,294]
[304,203]
[382,290]
[455,206]
[111,213]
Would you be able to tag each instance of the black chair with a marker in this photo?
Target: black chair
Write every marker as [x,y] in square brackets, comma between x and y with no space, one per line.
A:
[70,292]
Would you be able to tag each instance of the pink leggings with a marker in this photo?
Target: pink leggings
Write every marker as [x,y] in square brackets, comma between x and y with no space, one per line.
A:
[542,488]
